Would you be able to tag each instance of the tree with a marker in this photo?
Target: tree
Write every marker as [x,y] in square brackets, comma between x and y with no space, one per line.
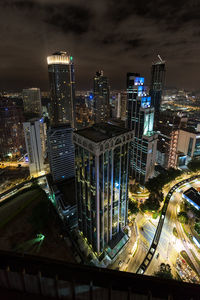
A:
[164,271]
[156,183]
[133,207]
[183,217]
[194,165]
[197,227]
[134,188]
[151,204]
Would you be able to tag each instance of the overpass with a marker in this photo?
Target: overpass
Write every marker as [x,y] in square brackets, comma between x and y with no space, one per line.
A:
[150,254]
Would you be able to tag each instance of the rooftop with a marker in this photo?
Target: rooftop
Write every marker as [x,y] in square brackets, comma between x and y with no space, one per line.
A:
[193,195]
[101,131]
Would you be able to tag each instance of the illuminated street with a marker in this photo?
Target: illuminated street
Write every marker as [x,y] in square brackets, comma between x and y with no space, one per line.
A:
[169,246]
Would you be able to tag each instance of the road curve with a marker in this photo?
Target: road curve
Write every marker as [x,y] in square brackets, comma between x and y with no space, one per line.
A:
[148,258]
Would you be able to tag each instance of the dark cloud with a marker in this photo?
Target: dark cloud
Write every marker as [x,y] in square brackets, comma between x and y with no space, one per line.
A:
[117,36]
[69,18]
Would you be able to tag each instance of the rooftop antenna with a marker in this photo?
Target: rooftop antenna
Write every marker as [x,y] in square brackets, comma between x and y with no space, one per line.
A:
[160,58]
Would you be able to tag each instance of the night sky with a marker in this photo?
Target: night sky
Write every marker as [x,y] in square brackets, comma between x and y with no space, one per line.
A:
[117,36]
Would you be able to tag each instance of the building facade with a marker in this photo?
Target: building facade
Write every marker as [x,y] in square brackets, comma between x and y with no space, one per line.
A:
[32,100]
[188,147]
[168,127]
[11,128]
[123,105]
[61,152]
[158,71]
[34,138]
[61,78]
[102,159]
[101,98]
[140,119]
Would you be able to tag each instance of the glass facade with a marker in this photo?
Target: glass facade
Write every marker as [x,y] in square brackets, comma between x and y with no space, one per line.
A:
[190,147]
[101,97]
[102,192]
[141,120]
[157,83]
[197,147]
[62,82]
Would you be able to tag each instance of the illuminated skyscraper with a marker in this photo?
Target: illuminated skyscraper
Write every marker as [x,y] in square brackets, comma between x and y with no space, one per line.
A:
[101,160]
[157,83]
[34,138]
[32,100]
[141,120]
[61,78]
[101,98]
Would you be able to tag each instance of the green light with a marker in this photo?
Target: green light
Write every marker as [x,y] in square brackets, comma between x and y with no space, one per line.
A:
[71,57]
[40,236]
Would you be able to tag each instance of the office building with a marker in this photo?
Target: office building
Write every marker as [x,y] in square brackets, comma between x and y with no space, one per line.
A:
[123,105]
[188,146]
[35,146]
[101,98]
[61,78]
[12,141]
[168,129]
[61,152]
[32,101]
[140,119]
[102,159]
[157,83]
[193,197]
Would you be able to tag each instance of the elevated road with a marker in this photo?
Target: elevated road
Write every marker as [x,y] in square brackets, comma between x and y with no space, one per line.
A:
[150,254]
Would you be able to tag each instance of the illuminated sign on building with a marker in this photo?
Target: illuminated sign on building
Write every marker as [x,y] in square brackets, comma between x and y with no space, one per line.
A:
[146,102]
[62,59]
[139,81]
[141,91]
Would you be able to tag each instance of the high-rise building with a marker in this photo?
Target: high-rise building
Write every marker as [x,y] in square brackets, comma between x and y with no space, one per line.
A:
[11,128]
[61,152]
[35,145]
[102,160]
[168,127]
[157,83]
[61,78]
[123,105]
[101,98]
[32,100]
[141,120]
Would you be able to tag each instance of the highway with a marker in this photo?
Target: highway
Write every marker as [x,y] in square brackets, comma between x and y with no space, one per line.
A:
[166,214]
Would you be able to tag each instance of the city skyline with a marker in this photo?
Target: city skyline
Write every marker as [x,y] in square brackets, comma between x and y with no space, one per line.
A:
[107,35]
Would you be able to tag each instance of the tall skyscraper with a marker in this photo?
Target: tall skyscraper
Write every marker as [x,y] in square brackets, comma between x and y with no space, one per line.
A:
[61,152]
[157,83]
[32,100]
[61,78]
[101,98]
[34,138]
[102,160]
[141,120]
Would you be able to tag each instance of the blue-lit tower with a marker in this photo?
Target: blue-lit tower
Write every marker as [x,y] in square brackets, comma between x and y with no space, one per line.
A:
[141,120]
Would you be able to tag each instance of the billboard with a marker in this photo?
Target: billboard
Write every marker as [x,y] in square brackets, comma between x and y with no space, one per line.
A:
[139,81]
[146,102]
[141,91]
